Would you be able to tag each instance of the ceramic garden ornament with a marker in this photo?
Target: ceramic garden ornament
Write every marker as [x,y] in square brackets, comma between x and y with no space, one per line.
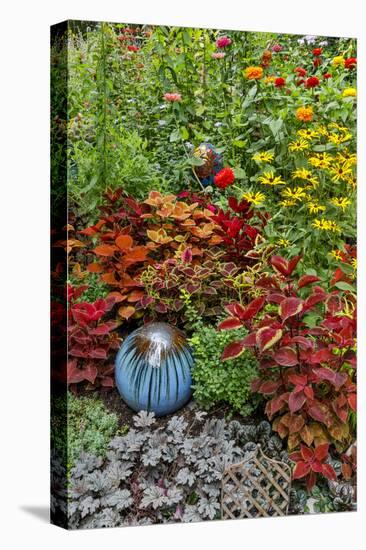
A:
[153,369]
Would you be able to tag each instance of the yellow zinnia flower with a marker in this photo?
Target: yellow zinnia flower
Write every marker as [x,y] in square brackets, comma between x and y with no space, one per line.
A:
[265,156]
[338,60]
[253,73]
[254,198]
[340,202]
[349,92]
[269,178]
[299,145]
[305,114]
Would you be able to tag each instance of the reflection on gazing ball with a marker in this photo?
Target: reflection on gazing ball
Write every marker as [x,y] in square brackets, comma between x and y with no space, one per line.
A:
[212,163]
[153,369]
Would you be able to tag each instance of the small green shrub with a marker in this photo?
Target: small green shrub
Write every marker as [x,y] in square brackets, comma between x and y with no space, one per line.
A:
[217,382]
[90,427]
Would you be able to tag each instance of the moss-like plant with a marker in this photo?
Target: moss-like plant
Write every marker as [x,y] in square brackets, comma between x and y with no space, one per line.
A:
[216,382]
[90,427]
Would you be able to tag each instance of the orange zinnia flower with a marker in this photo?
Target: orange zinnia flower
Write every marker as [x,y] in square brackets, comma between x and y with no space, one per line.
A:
[305,114]
[253,73]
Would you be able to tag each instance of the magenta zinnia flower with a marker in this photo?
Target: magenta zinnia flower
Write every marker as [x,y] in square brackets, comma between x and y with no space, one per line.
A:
[223,42]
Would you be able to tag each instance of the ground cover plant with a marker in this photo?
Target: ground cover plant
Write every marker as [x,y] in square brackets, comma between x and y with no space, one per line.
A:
[257,263]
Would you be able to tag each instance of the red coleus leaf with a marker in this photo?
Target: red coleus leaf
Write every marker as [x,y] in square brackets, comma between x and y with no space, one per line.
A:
[322,356]
[306,453]
[301,341]
[328,472]
[266,337]
[280,264]
[252,308]
[321,452]
[230,323]
[233,350]
[336,378]
[317,296]
[105,328]
[290,307]
[268,387]
[286,357]
[296,400]
[98,353]
[307,280]
[301,470]
[76,375]
[298,379]
[352,401]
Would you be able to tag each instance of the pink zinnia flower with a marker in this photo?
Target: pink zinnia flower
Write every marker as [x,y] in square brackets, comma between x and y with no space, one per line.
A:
[172,97]
[277,48]
[218,55]
[223,42]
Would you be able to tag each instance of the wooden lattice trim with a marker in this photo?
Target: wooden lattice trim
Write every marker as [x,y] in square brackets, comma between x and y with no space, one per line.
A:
[270,488]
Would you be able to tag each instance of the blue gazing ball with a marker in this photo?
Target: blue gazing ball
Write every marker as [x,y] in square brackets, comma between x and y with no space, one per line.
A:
[153,369]
[212,163]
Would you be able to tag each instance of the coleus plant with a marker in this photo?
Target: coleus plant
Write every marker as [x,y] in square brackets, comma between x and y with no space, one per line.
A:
[143,250]
[90,340]
[307,373]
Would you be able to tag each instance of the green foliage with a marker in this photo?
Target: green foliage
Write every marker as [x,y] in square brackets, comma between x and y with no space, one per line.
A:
[90,427]
[215,382]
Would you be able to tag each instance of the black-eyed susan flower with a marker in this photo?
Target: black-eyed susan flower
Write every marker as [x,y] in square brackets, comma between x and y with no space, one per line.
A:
[306,175]
[296,194]
[337,254]
[314,207]
[341,202]
[320,160]
[299,145]
[269,178]
[308,134]
[283,242]
[263,156]
[340,172]
[351,180]
[326,225]
[287,203]
[254,198]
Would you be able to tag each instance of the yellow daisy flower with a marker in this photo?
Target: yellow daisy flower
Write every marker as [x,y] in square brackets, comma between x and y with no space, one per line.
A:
[351,180]
[347,156]
[269,178]
[295,194]
[254,198]
[337,254]
[320,160]
[305,174]
[265,156]
[287,202]
[314,207]
[341,202]
[326,225]
[308,134]
[340,172]
[283,242]
[299,145]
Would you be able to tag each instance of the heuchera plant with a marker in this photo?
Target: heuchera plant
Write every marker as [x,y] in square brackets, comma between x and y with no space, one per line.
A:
[306,374]
[91,340]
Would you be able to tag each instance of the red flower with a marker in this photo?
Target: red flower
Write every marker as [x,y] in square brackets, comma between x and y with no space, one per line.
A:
[133,48]
[317,51]
[299,82]
[312,82]
[327,75]
[224,178]
[300,71]
[350,63]
[280,82]
[317,61]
